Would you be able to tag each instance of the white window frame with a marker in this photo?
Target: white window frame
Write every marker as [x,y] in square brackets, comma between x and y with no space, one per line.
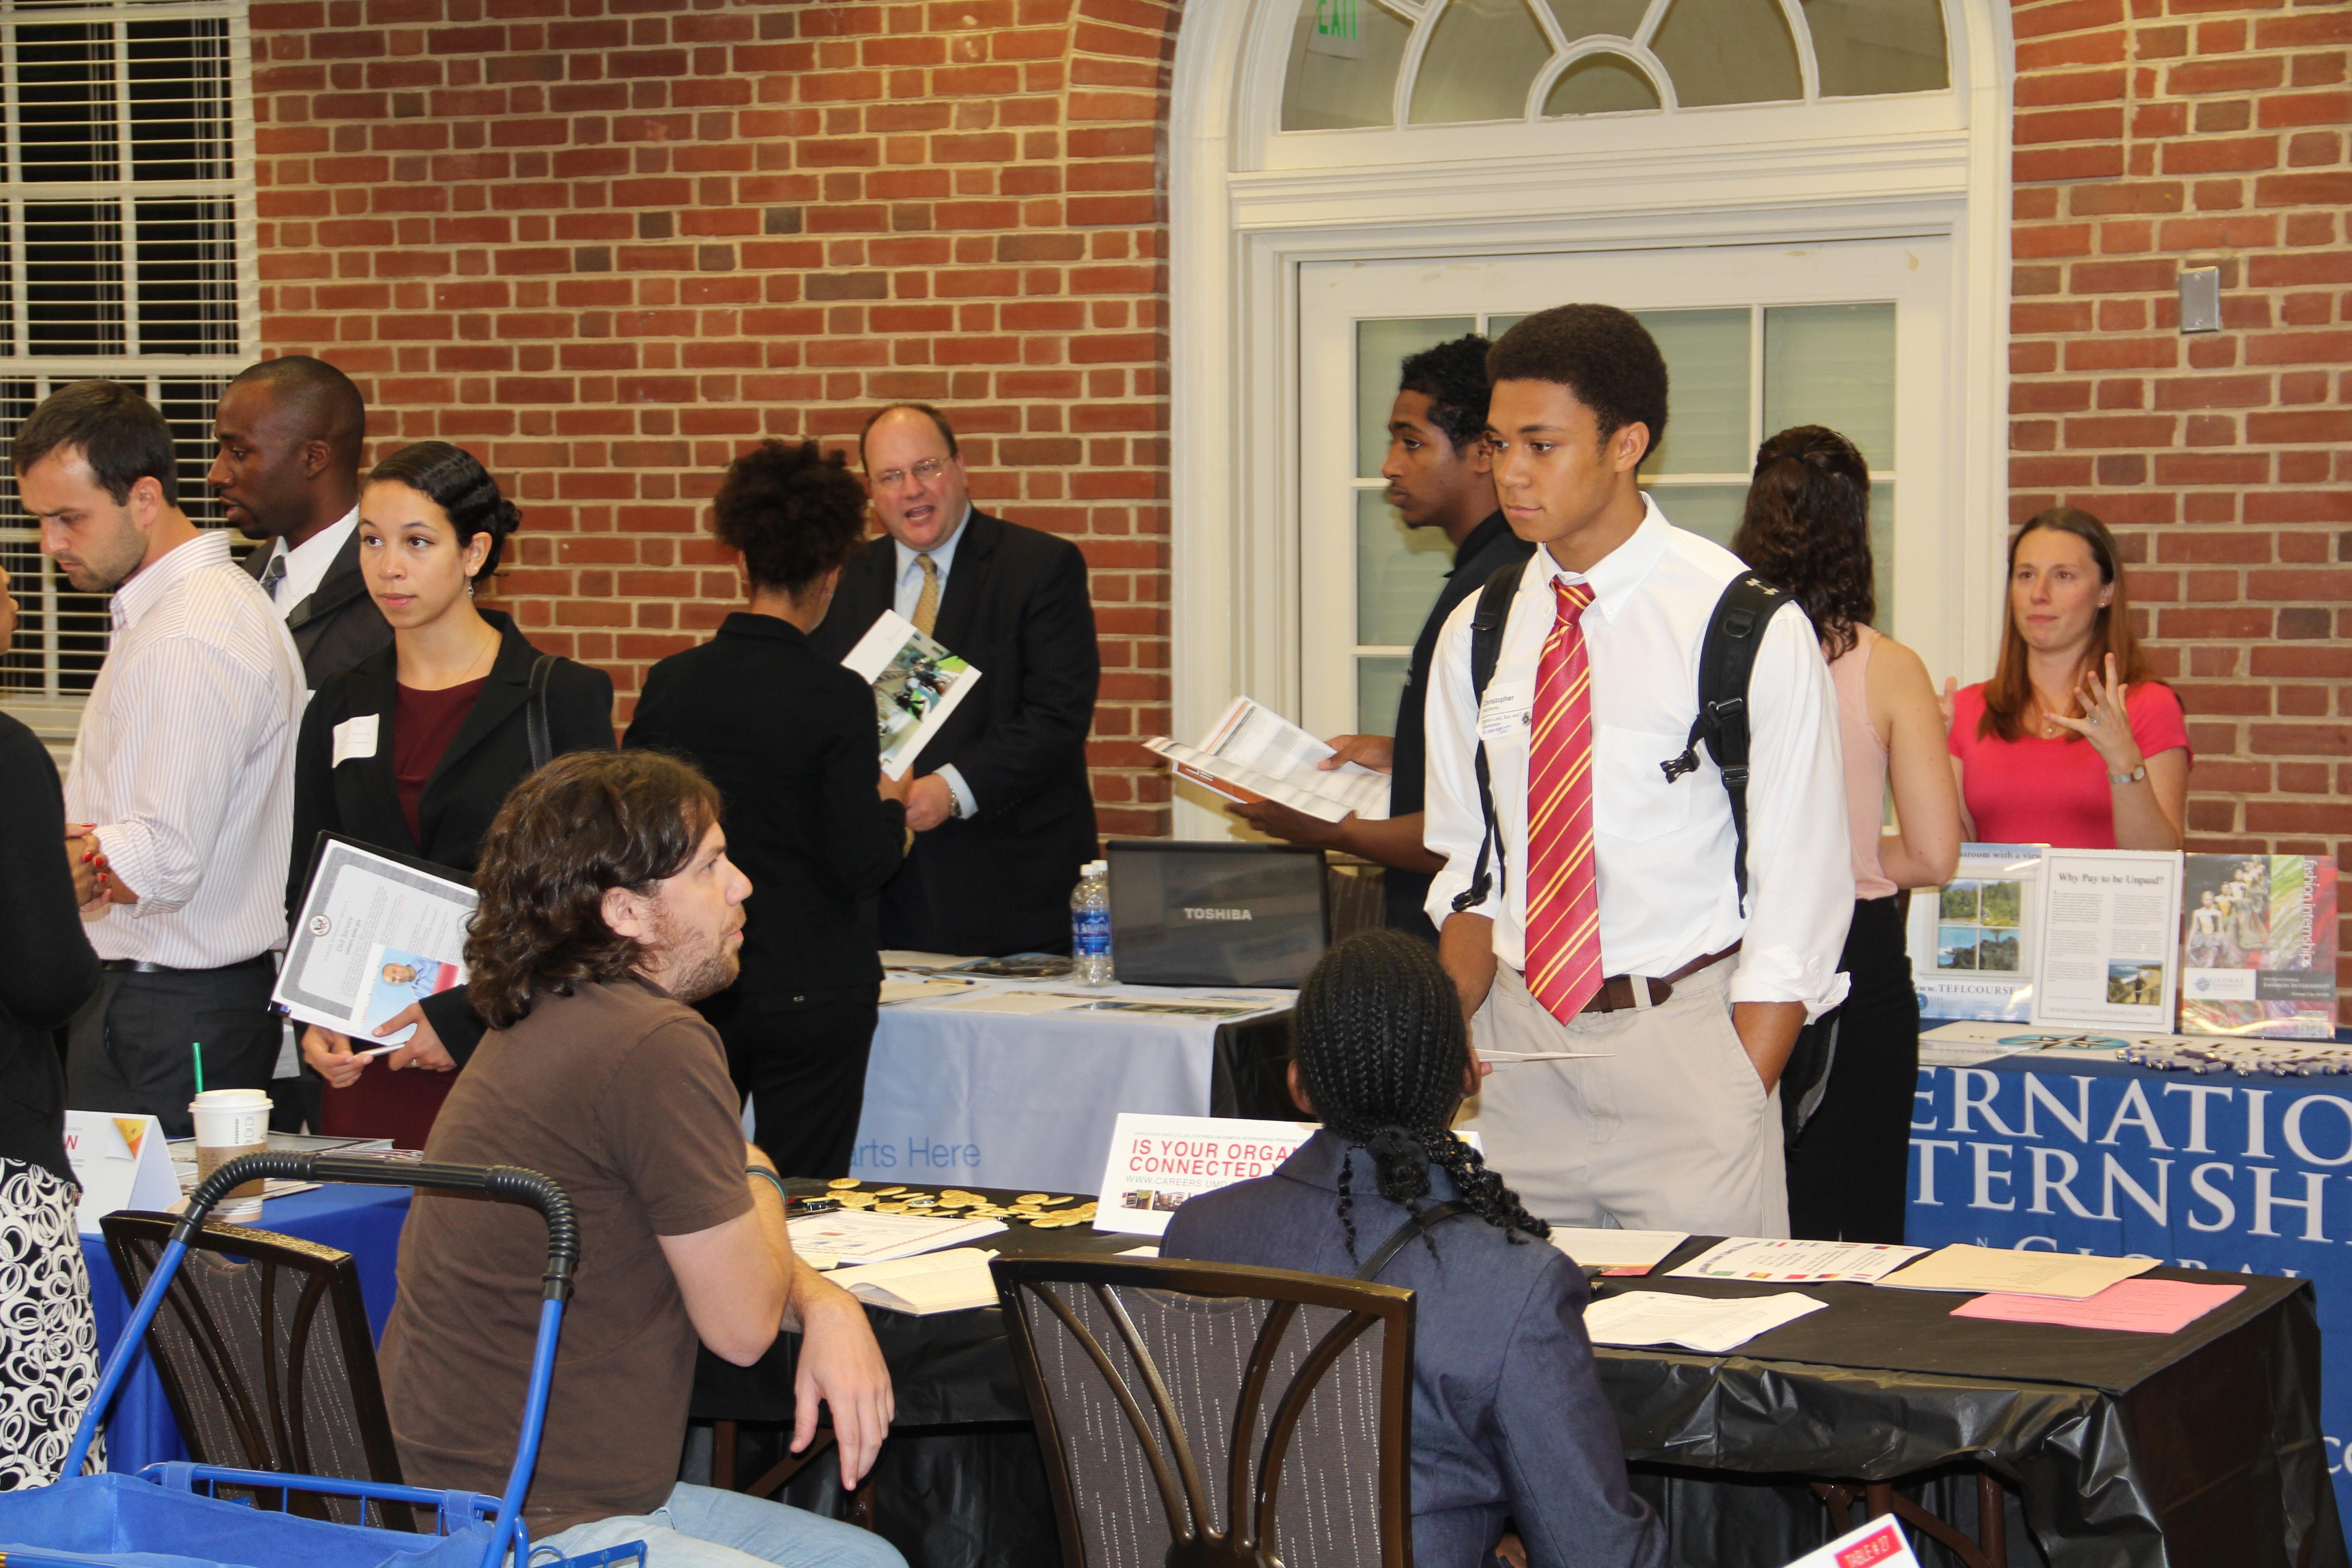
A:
[1250,205]
[51,708]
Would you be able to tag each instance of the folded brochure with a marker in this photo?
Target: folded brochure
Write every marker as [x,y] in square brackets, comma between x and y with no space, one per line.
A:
[951,1281]
[917,684]
[1975,1269]
[1253,755]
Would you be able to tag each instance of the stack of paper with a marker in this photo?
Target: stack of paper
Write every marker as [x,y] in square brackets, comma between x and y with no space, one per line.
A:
[2133,1306]
[1974,1269]
[854,1236]
[951,1282]
[1785,1262]
[1255,754]
[1617,1251]
[1704,1323]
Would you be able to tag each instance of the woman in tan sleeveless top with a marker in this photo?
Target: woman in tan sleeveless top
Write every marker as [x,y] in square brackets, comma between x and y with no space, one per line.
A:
[1807,528]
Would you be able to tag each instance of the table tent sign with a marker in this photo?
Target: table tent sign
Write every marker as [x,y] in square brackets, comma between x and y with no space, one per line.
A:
[1157,1162]
[121,1162]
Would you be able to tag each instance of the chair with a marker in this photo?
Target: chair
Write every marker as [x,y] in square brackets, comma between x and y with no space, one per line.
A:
[1208,1415]
[264,1350]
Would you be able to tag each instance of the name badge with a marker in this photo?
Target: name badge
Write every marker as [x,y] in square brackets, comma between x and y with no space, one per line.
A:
[1506,707]
[355,738]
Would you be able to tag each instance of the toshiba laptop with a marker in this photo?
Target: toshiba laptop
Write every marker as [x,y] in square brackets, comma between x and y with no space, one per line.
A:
[1216,914]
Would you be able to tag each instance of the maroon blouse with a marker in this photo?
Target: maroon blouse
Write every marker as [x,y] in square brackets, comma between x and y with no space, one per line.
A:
[422,725]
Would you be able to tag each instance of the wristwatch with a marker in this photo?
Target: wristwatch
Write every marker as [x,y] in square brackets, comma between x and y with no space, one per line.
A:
[2134,776]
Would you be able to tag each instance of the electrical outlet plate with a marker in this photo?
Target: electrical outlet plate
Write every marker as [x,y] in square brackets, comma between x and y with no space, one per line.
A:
[2201,300]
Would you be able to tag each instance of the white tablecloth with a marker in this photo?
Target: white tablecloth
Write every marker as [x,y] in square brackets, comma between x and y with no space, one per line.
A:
[1027,1101]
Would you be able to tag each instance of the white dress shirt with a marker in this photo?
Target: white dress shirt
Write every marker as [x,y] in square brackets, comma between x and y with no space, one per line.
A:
[1662,850]
[306,563]
[185,761]
[908,591]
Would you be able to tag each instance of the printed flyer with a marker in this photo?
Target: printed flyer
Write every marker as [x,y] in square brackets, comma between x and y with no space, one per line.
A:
[2109,955]
[1971,941]
[2258,940]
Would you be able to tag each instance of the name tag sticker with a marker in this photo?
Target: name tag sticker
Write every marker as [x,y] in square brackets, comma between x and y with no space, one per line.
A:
[1505,709]
[355,738]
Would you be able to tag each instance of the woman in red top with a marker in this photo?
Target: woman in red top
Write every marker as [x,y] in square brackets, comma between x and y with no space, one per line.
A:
[2074,742]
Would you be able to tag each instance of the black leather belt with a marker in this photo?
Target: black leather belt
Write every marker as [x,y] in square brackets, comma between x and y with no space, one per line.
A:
[141,966]
[1620,993]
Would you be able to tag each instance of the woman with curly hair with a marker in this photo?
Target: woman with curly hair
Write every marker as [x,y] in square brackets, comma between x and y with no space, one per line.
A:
[1509,1427]
[1807,528]
[790,738]
[415,748]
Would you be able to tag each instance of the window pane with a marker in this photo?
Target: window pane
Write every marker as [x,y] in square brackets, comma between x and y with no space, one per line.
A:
[1601,84]
[1834,365]
[1343,66]
[1710,509]
[1728,51]
[1381,348]
[1707,379]
[73,278]
[1380,682]
[1399,572]
[1878,46]
[179,99]
[1882,557]
[1480,62]
[187,277]
[64,107]
[1583,18]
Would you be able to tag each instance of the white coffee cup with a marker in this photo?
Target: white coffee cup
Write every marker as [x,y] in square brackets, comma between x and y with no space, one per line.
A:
[230,1122]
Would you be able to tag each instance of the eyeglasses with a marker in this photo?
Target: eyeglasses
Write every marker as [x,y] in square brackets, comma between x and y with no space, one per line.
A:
[924,473]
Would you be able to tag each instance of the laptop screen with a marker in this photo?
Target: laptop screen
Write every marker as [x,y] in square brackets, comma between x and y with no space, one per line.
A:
[1216,914]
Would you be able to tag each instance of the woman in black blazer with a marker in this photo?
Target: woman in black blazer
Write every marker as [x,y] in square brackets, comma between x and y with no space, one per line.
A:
[415,748]
[790,740]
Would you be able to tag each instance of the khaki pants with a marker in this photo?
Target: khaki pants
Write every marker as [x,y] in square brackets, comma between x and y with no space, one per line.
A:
[1671,1131]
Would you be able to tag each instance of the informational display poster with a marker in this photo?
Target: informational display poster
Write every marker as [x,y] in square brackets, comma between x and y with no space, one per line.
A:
[2108,955]
[2258,946]
[1972,940]
[372,933]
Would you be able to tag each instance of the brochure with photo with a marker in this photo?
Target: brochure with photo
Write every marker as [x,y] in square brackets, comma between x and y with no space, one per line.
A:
[1972,941]
[917,684]
[2109,953]
[1253,755]
[363,914]
[2258,946]
[398,980]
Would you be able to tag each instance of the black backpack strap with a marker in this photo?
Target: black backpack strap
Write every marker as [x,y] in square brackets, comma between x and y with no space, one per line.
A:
[1433,1215]
[1487,624]
[1725,661]
[535,727]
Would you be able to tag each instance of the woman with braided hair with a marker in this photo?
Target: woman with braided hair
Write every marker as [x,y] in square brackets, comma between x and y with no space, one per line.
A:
[1807,528]
[1509,1427]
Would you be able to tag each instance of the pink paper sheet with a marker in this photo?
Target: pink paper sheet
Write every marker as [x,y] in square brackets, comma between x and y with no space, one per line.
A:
[2135,1306]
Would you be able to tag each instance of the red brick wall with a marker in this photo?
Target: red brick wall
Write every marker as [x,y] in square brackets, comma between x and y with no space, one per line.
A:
[2152,135]
[607,244]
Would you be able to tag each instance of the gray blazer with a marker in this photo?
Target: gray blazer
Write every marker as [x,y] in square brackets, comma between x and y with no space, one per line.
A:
[1508,1421]
[338,624]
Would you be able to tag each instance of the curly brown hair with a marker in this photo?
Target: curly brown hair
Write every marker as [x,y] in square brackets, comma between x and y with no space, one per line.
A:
[585,822]
[795,512]
[1806,528]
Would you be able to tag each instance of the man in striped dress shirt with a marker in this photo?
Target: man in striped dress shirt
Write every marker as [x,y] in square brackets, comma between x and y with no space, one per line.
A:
[179,802]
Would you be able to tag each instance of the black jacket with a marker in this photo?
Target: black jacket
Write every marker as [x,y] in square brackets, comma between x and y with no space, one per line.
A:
[338,624]
[1015,607]
[488,757]
[788,738]
[50,970]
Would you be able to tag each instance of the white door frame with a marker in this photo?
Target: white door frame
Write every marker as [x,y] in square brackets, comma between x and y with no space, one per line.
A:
[1239,228]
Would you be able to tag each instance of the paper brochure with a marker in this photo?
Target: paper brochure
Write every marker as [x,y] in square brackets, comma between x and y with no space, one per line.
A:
[2258,937]
[837,1236]
[373,935]
[1617,1251]
[1797,1262]
[951,1282]
[917,684]
[2109,953]
[1961,1266]
[1254,754]
[1708,1324]
[1972,941]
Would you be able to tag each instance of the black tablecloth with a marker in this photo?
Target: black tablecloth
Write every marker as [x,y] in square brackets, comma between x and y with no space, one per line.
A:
[2155,1451]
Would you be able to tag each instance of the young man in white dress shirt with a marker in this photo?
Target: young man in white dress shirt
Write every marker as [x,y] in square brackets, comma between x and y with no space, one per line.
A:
[179,803]
[1612,926]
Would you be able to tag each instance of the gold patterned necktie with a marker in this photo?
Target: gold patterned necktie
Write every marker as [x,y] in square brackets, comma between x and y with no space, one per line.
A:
[927,607]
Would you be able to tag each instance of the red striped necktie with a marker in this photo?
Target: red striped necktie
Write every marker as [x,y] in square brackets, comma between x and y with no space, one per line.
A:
[1563,956]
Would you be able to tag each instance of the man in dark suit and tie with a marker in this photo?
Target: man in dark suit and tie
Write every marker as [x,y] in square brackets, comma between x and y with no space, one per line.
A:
[290,432]
[1001,806]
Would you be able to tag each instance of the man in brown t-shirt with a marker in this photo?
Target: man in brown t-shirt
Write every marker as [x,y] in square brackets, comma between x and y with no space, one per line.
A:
[608,904]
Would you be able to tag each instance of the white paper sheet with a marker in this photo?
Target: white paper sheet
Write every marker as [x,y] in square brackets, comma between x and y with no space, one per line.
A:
[1636,1251]
[1979,1270]
[1253,753]
[951,1282]
[854,1236]
[1704,1323]
[1783,1262]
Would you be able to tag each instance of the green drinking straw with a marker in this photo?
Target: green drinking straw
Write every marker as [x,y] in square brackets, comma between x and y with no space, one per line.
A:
[198,1047]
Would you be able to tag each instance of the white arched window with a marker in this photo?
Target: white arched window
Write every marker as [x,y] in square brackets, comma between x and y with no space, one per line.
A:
[1804,200]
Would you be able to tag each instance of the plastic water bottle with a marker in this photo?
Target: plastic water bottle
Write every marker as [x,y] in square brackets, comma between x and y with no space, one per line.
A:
[1090,925]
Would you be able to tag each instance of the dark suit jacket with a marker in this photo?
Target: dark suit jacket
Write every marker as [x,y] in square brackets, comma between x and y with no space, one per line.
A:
[1507,1413]
[338,624]
[50,970]
[1015,607]
[788,738]
[488,757]
[1485,551]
